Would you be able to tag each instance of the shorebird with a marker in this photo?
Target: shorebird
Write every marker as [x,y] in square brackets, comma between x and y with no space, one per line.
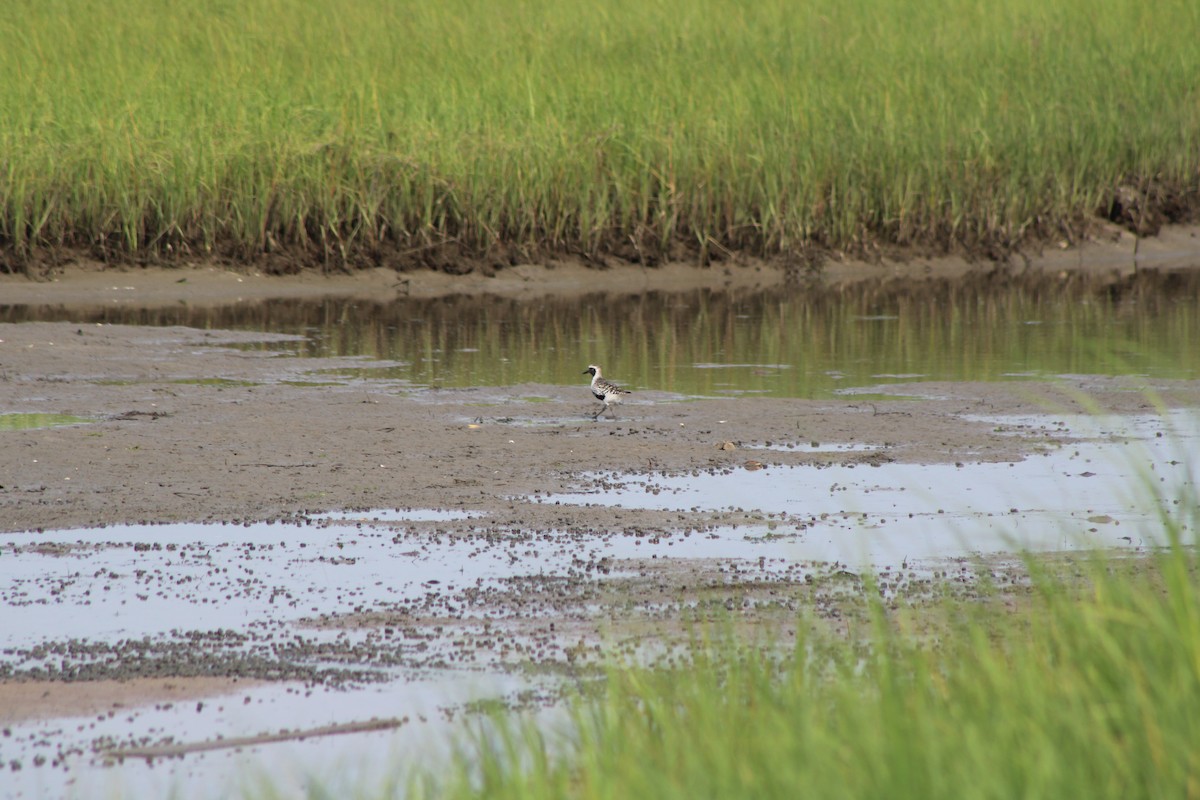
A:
[606,392]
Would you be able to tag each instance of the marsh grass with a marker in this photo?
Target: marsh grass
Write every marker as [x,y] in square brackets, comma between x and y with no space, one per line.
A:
[1088,689]
[375,132]
[1085,685]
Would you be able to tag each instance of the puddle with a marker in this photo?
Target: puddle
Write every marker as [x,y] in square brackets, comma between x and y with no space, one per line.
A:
[1105,490]
[148,580]
[815,447]
[97,601]
[428,709]
[396,515]
[479,422]
[31,421]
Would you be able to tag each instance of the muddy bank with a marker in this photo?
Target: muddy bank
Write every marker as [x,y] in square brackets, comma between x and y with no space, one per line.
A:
[1111,255]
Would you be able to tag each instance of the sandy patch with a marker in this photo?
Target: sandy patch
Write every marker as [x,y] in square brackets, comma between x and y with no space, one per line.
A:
[26,700]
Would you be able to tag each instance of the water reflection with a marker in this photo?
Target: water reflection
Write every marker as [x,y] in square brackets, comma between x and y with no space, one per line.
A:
[793,343]
[1095,492]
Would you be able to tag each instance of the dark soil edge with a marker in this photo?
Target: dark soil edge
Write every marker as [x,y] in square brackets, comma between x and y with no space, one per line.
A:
[1141,206]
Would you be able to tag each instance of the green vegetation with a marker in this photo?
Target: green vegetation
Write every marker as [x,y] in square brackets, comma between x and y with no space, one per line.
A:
[1087,688]
[400,132]
[29,421]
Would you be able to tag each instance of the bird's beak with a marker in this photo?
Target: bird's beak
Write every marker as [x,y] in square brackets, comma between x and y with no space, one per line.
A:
[585,372]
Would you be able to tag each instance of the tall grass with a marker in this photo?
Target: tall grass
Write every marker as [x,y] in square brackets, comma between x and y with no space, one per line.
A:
[1092,689]
[373,130]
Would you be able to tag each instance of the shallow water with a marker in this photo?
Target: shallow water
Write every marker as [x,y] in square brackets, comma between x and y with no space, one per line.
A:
[782,343]
[1105,490]
[128,583]
[339,765]
[157,584]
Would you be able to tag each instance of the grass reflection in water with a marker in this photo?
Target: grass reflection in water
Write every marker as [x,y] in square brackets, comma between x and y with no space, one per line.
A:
[786,343]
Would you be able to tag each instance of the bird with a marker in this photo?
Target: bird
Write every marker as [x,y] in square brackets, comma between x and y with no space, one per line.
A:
[605,391]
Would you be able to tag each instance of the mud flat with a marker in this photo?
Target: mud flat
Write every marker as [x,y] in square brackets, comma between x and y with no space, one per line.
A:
[185,429]
[202,528]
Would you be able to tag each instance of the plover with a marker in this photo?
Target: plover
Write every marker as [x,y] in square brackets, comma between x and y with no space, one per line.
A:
[608,393]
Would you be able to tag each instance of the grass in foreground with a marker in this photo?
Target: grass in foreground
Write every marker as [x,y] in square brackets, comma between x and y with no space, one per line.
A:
[373,130]
[1092,690]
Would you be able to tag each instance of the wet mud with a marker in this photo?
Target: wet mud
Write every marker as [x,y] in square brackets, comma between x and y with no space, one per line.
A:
[455,549]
